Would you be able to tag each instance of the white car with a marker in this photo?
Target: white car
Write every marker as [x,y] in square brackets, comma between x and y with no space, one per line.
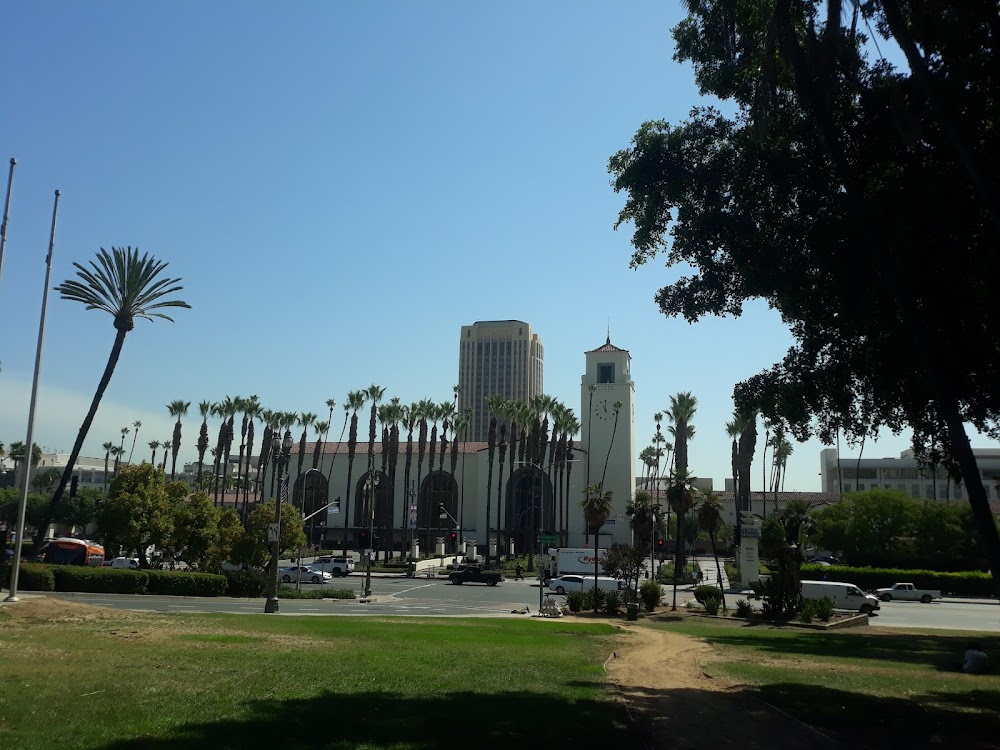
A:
[124,563]
[303,573]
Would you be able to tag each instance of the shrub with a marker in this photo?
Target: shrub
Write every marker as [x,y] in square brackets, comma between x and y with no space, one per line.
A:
[612,602]
[650,593]
[246,584]
[574,600]
[967,583]
[701,593]
[779,596]
[182,583]
[593,599]
[808,610]
[289,592]
[743,609]
[823,608]
[100,580]
[733,573]
[711,605]
[32,577]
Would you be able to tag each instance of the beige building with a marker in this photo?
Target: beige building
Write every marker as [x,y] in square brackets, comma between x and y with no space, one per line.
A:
[497,357]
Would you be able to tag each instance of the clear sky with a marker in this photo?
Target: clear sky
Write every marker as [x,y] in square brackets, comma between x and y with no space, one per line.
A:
[341,187]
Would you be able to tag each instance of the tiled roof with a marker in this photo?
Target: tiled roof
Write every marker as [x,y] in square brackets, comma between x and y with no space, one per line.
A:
[608,347]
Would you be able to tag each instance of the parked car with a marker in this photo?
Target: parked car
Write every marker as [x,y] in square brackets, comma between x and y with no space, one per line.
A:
[336,566]
[844,595]
[571,582]
[303,573]
[174,565]
[123,563]
[907,592]
[823,560]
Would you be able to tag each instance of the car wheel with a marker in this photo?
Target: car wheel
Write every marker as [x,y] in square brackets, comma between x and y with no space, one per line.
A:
[286,579]
[886,597]
[457,582]
[926,598]
[560,590]
[317,579]
[867,609]
[336,573]
[491,583]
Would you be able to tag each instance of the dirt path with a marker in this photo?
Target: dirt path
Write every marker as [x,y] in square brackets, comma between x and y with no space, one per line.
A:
[675,704]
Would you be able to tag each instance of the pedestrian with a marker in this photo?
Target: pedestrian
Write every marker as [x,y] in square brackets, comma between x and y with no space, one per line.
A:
[519,573]
[976,660]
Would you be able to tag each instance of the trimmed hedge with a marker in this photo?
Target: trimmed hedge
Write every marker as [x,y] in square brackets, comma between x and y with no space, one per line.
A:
[183,583]
[289,592]
[100,580]
[32,577]
[245,584]
[967,583]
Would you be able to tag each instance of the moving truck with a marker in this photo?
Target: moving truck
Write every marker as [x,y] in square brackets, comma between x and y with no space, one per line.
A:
[844,595]
[575,560]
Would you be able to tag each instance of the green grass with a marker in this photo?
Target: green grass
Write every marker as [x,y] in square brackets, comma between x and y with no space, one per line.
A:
[232,681]
[894,687]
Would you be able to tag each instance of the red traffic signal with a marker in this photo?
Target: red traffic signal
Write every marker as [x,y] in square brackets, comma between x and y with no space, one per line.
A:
[659,543]
[454,536]
[363,538]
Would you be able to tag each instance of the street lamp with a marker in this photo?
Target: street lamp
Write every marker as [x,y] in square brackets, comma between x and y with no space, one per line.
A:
[370,484]
[285,448]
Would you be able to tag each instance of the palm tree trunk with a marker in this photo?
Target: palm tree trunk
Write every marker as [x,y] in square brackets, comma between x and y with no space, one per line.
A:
[718,570]
[67,474]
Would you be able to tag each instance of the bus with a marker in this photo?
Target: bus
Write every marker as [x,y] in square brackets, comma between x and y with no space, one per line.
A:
[68,551]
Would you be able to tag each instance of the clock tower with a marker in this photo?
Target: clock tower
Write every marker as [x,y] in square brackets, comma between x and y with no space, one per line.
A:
[607,406]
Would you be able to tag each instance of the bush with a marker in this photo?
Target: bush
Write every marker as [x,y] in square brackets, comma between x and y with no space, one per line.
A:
[823,608]
[289,592]
[733,573]
[612,602]
[245,584]
[650,593]
[711,605]
[100,580]
[182,583]
[701,593]
[574,600]
[32,577]
[808,610]
[666,573]
[743,609]
[593,599]
[968,583]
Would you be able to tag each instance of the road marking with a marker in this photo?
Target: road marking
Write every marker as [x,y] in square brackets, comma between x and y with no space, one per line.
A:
[181,606]
[415,588]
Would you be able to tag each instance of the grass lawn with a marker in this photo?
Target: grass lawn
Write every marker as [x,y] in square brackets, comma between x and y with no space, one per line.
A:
[882,687]
[128,680]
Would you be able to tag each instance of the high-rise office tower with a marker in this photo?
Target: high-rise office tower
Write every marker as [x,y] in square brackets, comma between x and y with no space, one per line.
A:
[497,357]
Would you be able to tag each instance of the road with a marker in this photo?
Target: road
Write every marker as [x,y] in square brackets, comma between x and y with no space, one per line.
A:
[438,598]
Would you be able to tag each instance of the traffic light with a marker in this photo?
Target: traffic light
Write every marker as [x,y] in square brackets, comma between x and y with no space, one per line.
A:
[660,549]
[363,539]
[454,541]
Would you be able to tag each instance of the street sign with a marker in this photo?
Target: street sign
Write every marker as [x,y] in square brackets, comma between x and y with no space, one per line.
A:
[547,538]
[272,532]
[610,521]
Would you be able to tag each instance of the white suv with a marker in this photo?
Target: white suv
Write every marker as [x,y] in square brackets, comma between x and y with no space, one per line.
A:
[335,566]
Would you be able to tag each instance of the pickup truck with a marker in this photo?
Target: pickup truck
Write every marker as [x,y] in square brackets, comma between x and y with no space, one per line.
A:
[474,574]
[907,592]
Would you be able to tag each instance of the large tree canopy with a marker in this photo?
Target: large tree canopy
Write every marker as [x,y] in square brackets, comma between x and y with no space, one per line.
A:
[856,199]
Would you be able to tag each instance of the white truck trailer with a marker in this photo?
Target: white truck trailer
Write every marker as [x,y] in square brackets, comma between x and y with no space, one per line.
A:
[575,560]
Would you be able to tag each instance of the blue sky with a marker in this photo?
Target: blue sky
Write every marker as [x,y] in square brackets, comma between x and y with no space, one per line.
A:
[341,187]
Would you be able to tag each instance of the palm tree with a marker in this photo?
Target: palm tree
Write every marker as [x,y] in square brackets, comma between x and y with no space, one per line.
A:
[409,417]
[617,406]
[374,394]
[597,505]
[137,424]
[503,453]
[330,403]
[305,420]
[347,410]
[107,457]
[355,400]
[117,452]
[681,499]
[493,403]
[681,412]
[743,431]
[640,513]
[204,407]
[252,409]
[163,463]
[154,445]
[322,430]
[710,520]
[177,409]
[125,286]
[125,431]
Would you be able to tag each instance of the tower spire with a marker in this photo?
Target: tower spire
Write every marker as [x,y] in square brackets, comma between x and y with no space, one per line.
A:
[609,332]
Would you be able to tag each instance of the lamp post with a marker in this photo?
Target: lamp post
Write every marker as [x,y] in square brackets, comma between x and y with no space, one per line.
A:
[370,484]
[285,448]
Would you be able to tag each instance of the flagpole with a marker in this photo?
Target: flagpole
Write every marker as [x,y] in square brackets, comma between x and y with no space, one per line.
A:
[6,210]
[19,529]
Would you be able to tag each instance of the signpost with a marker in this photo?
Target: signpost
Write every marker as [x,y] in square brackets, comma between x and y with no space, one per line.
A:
[272,533]
[547,538]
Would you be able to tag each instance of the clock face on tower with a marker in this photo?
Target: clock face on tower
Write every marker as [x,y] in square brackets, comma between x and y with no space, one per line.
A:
[603,411]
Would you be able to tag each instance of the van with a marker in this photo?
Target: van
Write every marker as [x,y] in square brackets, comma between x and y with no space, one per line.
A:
[844,595]
[575,582]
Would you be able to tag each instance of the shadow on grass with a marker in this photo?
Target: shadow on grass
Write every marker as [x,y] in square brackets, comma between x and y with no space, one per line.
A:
[941,652]
[335,721]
